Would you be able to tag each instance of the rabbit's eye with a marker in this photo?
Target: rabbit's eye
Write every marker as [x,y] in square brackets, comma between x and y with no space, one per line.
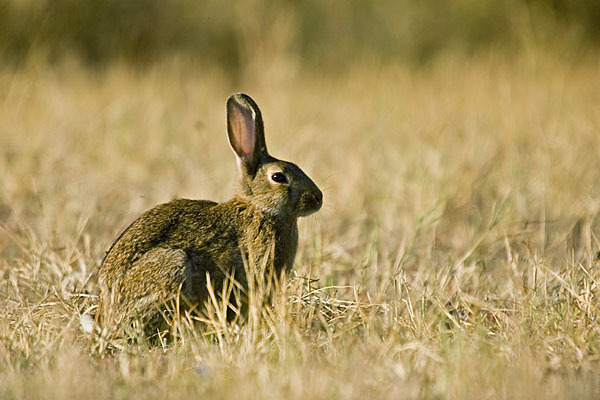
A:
[279,177]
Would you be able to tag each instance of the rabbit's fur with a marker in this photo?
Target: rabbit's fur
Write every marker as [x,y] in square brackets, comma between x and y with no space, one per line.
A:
[175,247]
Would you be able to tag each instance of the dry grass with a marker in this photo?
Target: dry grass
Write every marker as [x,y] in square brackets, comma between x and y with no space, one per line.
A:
[456,255]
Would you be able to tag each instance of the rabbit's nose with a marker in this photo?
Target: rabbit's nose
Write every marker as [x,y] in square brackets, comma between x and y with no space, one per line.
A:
[318,197]
[310,202]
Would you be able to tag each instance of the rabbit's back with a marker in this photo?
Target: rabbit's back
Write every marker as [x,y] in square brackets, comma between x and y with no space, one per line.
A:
[157,227]
[170,247]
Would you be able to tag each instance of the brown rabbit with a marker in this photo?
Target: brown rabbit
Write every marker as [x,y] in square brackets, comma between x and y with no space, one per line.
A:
[173,247]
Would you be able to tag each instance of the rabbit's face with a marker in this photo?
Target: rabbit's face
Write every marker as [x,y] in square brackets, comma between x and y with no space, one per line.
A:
[281,188]
[277,187]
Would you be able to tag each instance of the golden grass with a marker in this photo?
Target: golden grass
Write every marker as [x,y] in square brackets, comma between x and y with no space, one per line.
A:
[455,257]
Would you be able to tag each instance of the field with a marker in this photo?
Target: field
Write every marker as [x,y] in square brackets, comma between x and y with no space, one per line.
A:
[456,255]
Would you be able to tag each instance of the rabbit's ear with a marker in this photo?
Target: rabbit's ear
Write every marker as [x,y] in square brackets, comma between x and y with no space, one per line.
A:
[245,131]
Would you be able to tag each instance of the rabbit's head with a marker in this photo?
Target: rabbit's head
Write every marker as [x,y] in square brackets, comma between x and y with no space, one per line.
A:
[277,187]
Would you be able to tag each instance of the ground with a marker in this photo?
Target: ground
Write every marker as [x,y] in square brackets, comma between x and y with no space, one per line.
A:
[456,255]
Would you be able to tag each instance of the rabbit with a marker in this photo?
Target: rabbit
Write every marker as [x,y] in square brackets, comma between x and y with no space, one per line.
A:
[174,248]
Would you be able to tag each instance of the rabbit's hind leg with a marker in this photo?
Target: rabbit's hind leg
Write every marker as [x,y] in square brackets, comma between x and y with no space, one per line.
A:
[152,282]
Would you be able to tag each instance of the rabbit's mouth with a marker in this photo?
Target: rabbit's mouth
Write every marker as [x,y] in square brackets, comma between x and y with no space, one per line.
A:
[309,203]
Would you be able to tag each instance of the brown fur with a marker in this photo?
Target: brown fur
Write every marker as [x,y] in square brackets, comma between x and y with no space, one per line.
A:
[174,246]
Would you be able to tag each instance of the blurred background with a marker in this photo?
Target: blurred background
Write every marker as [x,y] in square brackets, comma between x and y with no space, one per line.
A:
[393,106]
[323,35]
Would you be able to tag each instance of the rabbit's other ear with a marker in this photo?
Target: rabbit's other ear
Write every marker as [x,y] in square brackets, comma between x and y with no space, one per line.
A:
[245,131]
